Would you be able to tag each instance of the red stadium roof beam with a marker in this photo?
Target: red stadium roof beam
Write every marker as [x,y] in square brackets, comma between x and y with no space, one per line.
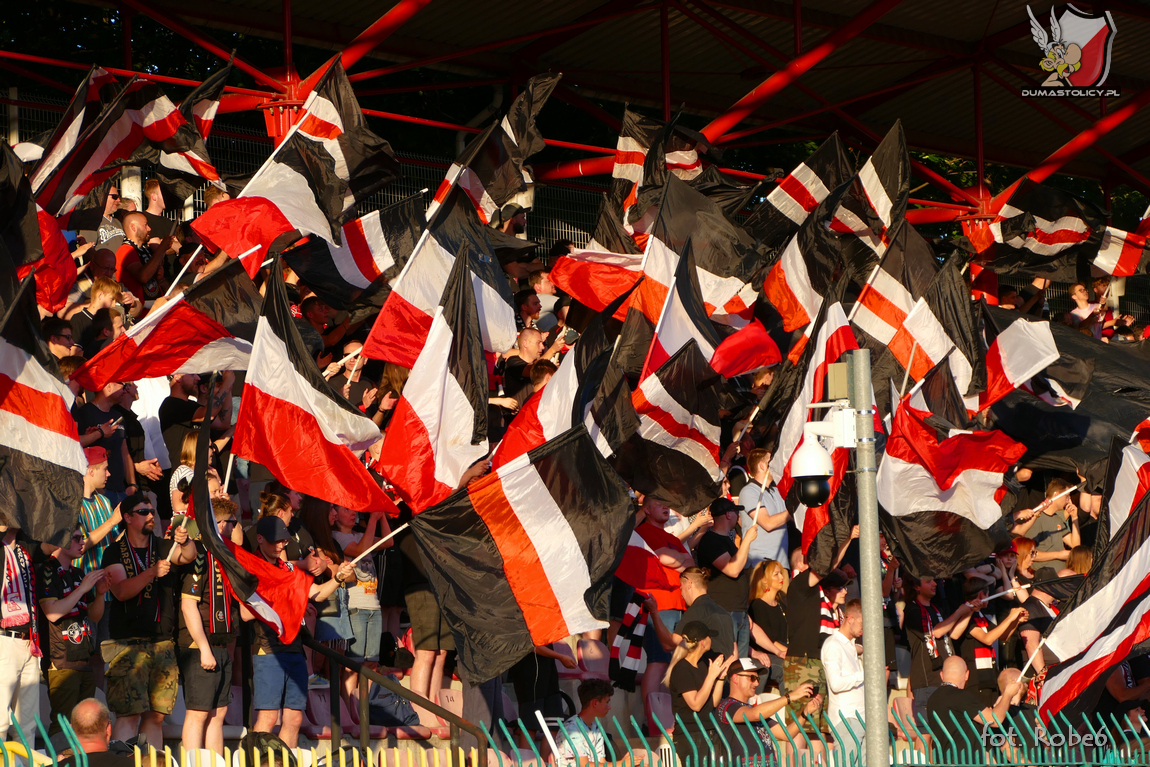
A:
[774,84]
[387,24]
[184,29]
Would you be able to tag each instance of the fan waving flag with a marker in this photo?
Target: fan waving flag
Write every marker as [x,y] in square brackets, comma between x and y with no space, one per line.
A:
[493,167]
[403,324]
[293,421]
[42,465]
[940,494]
[1102,622]
[524,556]
[328,163]
[210,326]
[374,246]
[555,409]
[277,595]
[776,219]
[439,427]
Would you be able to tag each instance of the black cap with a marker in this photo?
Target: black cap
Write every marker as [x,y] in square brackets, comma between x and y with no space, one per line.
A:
[721,506]
[272,529]
[696,630]
[837,579]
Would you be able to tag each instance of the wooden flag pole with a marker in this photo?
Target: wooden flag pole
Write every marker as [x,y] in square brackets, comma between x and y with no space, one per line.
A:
[380,542]
[176,281]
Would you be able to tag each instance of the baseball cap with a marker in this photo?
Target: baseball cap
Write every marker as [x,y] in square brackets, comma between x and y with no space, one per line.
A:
[721,506]
[95,455]
[272,529]
[1009,548]
[836,579]
[696,630]
[748,664]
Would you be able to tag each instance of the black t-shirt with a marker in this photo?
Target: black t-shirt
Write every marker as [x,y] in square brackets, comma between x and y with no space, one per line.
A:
[925,670]
[87,416]
[151,614]
[357,387]
[176,420]
[70,639]
[715,618]
[82,332]
[218,615]
[772,619]
[136,438]
[947,700]
[685,678]
[102,759]
[803,618]
[730,593]
[516,380]
[981,661]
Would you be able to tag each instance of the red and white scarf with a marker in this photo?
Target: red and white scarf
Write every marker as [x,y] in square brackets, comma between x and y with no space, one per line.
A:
[17,594]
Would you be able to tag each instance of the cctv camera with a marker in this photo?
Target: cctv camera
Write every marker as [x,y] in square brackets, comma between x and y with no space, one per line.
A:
[812,469]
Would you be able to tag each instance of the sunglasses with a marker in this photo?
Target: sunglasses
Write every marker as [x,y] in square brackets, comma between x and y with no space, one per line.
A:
[231,521]
[143,512]
[114,196]
[77,538]
[748,676]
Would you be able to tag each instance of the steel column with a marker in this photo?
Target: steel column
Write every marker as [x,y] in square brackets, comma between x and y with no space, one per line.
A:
[980,158]
[388,23]
[182,28]
[665,56]
[796,69]
[286,6]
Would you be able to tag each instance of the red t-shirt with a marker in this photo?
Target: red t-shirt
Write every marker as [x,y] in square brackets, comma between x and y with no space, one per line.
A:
[125,255]
[658,538]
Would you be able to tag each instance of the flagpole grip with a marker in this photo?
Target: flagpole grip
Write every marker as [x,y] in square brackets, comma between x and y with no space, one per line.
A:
[380,542]
[175,548]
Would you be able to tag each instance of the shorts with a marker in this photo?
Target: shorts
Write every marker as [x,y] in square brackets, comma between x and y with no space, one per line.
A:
[280,681]
[428,629]
[367,628]
[655,651]
[918,705]
[803,669]
[66,688]
[141,677]
[205,690]
[331,627]
[621,594]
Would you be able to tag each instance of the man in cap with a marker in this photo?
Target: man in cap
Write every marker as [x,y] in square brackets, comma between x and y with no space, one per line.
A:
[742,681]
[280,670]
[730,575]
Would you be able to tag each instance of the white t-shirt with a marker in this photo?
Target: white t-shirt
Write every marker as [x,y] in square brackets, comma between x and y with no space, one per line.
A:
[583,745]
[364,594]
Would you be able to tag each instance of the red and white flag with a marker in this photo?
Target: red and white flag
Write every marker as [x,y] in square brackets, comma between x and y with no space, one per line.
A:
[640,566]
[210,326]
[293,422]
[594,278]
[683,318]
[877,198]
[1121,253]
[97,89]
[1017,353]
[439,427]
[1130,486]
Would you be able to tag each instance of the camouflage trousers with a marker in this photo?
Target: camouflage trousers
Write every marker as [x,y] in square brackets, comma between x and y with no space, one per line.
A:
[141,677]
[795,672]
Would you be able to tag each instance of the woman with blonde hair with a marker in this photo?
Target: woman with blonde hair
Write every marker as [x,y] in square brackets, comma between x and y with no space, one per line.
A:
[768,618]
[1078,562]
[696,687]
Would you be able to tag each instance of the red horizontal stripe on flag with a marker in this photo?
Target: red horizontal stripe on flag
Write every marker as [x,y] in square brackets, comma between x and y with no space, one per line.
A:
[1130,255]
[42,409]
[623,157]
[399,333]
[287,439]
[322,129]
[882,307]
[903,347]
[593,285]
[1059,236]
[799,193]
[645,407]
[413,472]
[525,574]
[164,129]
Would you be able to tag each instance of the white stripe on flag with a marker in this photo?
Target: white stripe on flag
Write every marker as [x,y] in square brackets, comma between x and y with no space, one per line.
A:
[1128,486]
[906,488]
[876,192]
[1025,349]
[554,541]
[25,435]
[556,404]
[271,371]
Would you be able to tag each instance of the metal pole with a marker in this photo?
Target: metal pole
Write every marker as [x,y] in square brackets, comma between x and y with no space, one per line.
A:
[874,648]
[980,158]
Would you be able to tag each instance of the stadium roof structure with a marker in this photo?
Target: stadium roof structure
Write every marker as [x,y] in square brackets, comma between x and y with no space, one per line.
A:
[952,72]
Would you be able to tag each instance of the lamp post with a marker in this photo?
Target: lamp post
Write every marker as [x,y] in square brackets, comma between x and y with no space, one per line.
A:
[870,555]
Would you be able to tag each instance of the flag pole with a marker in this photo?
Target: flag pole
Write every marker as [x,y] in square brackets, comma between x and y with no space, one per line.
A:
[380,542]
[547,733]
[176,281]
[906,374]
[865,288]
[228,473]
[1030,660]
[175,548]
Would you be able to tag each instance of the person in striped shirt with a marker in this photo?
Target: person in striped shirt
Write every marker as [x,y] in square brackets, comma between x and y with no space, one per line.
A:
[99,521]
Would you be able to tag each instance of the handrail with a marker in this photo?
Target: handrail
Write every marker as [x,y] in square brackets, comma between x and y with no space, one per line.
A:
[390,684]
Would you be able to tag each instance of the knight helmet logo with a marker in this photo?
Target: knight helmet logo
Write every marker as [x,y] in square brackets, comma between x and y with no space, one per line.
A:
[1076,51]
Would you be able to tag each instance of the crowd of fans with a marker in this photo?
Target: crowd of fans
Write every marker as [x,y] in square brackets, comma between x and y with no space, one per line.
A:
[132,605]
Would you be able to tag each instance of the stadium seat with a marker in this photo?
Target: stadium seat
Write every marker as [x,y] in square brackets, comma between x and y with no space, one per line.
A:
[564,649]
[659,705]
[594,659]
